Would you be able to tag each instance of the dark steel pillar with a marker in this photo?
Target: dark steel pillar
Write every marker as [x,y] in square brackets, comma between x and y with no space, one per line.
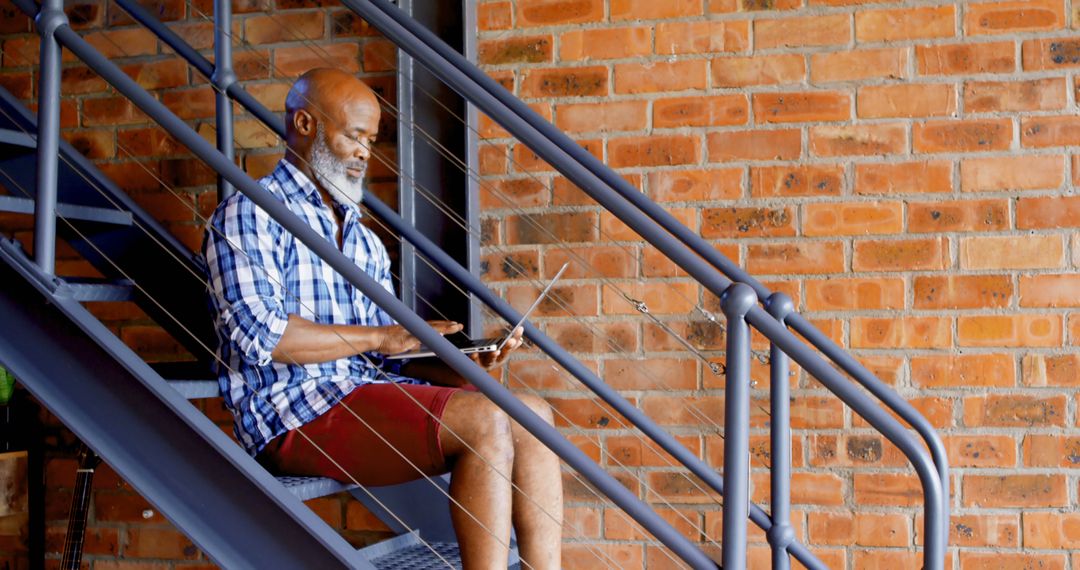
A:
[48,19]
[223,78]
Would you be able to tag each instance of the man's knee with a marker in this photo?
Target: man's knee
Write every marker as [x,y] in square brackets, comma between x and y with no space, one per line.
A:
[538,405]
[481,427]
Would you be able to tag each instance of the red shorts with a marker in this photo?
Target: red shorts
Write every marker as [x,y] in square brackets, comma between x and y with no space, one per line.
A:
[357,449]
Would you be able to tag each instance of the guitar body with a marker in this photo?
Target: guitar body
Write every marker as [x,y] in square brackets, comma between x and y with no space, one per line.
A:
[80,506]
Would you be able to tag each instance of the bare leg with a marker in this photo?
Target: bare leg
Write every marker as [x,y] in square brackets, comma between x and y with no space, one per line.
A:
[482,446]
[538,495]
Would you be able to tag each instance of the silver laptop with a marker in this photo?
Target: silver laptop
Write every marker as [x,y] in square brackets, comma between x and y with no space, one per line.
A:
[469,346]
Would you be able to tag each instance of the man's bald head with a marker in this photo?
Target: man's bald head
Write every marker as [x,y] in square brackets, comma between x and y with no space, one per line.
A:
[323,93]
[332,119]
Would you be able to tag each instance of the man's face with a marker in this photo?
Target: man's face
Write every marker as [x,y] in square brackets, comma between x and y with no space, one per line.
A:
[342,148]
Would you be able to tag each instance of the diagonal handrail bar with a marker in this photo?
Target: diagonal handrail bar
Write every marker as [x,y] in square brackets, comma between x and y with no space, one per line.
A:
[500,395]
[497,103]
[447,263]
[670,224]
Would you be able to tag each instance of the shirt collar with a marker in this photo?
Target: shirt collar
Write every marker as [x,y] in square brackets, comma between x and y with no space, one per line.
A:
[296,184]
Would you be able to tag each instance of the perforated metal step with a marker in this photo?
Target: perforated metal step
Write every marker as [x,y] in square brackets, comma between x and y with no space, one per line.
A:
[306,488]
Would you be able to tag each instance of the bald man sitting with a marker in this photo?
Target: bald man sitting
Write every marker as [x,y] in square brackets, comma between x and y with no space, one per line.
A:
[304,373]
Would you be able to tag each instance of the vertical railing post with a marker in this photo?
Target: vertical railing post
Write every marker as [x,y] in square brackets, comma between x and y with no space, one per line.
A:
[223,78]
[48,20]
[736,301]
[782,534]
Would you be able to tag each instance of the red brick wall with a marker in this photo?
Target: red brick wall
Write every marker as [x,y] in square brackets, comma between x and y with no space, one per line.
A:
[904,169]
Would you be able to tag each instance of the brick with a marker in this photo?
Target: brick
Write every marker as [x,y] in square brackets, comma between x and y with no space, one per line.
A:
[661,76]
[801,107]
[620,337]
[656,374]
[1007,252]
[111,111]
[129,42]
[711,36]
[489,16]
[567,82]
[525,49]
[1048,212]
[1049,290]
[831,528]
[1041,132]
[1045,54]
[558,12]
[649,10]
[603,43]
[962,136]
[606,116]
[962,291]
[1051,531]
[982,530]
[858,140]
[782,144]
[92,143]
[1074,329]
[614,229]
[964,59]
[906,100]
[550,228]
[994,491]
[158,543]
[981,451]
[852,218]
[1012,173]
[1034,95]
[1009,330]
[379,55]
[900,255]
[716,110]
[190,103]
[956,371]
[848,294]
[654,151]
[958,216]
[695,185]
[1013,17]
[890,489]
[857,65]
[519,192]
[284,27]
[795,258]
[79,80]
[816,31]
[880,529]
[777,69]
[501,266]
[905,332]
[293,61]
[1051,370]
[1011,561]
[582,556]
[904,178]
[905,24]
[789,181]
[747,222]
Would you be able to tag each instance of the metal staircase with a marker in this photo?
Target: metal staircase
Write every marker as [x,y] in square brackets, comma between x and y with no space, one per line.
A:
[138,418]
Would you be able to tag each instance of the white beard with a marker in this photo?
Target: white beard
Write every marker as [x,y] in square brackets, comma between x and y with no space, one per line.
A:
[331,173]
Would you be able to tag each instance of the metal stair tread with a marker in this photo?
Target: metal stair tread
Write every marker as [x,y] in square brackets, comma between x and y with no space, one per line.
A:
[21,205]
[306,488]
[89,289]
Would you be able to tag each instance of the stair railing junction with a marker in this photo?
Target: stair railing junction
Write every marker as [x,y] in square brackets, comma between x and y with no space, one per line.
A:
[739,300]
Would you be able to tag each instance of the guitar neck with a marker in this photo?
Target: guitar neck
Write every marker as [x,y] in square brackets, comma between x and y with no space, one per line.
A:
[80,506]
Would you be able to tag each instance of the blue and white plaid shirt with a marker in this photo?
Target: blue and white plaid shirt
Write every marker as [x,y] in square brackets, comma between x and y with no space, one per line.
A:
[259,275]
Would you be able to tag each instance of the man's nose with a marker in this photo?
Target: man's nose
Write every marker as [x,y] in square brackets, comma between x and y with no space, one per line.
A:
[363,150]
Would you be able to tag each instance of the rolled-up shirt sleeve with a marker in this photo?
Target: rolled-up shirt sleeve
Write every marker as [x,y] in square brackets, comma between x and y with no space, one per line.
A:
[245,264]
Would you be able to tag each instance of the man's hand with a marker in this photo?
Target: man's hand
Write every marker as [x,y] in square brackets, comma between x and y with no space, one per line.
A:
[395,339]
[494,359]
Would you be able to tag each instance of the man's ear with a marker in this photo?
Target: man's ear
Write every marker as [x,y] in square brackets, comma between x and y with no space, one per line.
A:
[304,123]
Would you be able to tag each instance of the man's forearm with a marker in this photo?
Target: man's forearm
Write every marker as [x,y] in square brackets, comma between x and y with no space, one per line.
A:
[305,342]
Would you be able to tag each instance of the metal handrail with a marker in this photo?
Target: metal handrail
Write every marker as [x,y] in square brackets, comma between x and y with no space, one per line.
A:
[459,362]
[628,205]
